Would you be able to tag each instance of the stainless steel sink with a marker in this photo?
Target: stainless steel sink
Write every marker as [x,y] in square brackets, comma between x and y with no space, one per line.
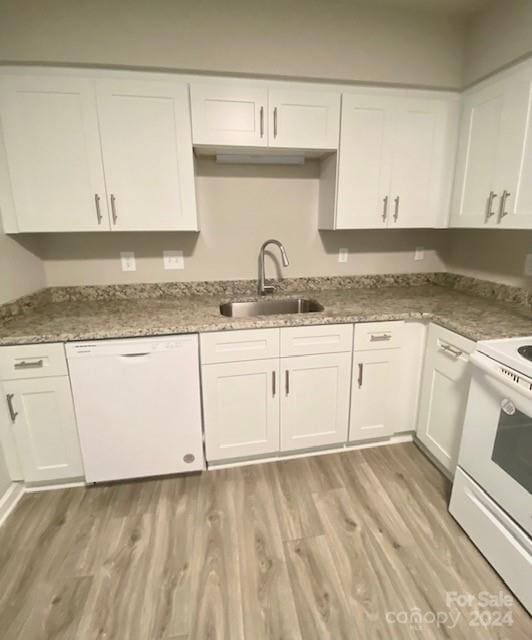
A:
[269,307]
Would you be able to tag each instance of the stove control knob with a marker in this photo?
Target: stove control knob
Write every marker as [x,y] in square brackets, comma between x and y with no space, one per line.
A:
[508,407]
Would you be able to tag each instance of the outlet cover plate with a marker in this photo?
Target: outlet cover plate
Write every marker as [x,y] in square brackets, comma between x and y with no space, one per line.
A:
[173,259]
[343,254]
[128,262]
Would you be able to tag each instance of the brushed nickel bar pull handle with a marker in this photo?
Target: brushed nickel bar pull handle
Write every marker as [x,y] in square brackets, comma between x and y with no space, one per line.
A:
[396,209]
[262,122]
[273,384]
[275,122]
[28,364]
[384,208]
[489,206]
[12,413]
[113,208]
[99,216]
[380,337]
[502,207]
[456,353]
[287,382]
[360,374]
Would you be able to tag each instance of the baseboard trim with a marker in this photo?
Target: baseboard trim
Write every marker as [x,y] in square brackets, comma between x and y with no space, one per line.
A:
[9,500]
[349,446]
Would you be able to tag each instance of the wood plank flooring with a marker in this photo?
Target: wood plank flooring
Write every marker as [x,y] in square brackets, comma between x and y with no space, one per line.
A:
[314,548]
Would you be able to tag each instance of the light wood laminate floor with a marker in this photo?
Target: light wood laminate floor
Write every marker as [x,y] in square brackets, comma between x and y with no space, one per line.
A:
[323,548]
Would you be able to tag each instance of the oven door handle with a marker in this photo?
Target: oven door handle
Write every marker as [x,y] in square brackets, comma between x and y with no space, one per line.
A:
[491,367]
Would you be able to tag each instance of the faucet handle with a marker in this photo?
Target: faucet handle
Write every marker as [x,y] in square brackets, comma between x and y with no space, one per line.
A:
[267,289]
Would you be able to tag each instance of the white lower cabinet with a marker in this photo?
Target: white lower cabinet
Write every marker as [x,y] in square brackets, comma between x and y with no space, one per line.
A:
[444,390]
[44,428]
[241,408]
[374,404]
[283,402]
[314,400]
[39,434]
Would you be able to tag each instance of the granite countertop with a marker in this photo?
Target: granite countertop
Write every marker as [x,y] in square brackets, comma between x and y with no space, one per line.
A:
[474,317]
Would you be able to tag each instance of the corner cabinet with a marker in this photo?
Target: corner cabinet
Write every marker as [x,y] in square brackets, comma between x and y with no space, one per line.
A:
[444,391]
[242,115]
[88,154]
[493,184]
[395,161]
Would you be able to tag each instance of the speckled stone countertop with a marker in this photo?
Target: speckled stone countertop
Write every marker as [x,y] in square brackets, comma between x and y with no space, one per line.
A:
[106,312]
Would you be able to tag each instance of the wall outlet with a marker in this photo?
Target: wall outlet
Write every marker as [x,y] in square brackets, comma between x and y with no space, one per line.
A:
[528,264]
[173,260]
[128,261]
[419,253]
[343,254]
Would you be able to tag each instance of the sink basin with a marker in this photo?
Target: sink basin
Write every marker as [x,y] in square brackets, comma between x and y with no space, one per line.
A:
[269,307]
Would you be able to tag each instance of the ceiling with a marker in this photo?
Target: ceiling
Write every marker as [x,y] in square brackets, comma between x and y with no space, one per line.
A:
[464,7]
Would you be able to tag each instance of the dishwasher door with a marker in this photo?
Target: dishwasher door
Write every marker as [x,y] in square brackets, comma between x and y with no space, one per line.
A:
[138,406]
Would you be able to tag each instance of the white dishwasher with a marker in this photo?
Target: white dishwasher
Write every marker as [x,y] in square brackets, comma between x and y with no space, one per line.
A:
[138,406]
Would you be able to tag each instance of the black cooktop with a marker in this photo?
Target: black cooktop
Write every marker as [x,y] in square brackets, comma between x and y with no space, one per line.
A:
[526,351]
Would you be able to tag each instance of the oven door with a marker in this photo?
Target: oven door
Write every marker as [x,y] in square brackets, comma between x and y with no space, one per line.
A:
[496,446]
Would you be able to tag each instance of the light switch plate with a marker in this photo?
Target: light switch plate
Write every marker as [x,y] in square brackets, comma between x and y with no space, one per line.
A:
[528,264]
[419,253]
[127,258]
[173,260]
[343,255]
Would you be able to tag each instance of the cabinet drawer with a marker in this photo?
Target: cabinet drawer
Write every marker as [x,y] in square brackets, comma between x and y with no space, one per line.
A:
[237,346]
[378,335]
[330,338]
[32,361]
[450,344]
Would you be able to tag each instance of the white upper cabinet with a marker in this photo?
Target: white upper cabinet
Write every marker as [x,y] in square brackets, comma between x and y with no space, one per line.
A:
[301,119]
[91,154]
[233,114]
[147,154]
[419,168]
[395,161]
[494,166]
[50,130]
[229,115]
[365,162]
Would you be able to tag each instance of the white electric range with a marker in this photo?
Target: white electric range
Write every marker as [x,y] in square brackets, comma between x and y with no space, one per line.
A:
[492,490]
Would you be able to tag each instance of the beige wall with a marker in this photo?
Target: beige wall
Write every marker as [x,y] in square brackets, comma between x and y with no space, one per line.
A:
[21,270]
[240,207]
[489,254]
[5,480]
[496,36]
[340,39]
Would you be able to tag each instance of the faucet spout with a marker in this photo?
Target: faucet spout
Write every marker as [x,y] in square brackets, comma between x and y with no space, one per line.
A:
[263,288]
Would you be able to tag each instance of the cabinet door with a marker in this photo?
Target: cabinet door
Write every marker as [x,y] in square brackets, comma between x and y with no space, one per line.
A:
[241,409]
[147,153]
[478,151]
[444,390]
[303,119]
[44,427]
[374,402]
[364,162]
[229,114]
[418,160]
[515,158]
[314,400]
[53,152]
